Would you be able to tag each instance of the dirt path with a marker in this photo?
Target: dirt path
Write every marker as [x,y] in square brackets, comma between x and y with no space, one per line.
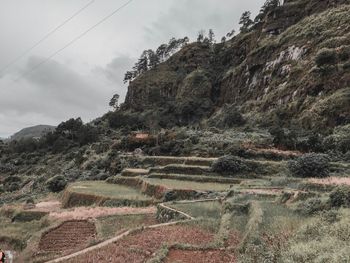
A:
[331,181]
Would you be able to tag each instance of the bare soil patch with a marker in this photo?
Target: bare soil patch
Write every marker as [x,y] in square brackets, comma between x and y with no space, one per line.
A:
[48,206]
[70,235]
[234,238]
[203,256]
[331,181]
[140,246]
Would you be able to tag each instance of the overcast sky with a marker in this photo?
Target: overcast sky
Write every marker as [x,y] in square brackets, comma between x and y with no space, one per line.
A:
[80,80]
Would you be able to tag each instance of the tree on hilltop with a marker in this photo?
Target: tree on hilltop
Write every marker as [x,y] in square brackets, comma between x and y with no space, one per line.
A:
[245,22]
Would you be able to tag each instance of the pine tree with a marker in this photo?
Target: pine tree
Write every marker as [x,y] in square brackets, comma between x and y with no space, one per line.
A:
[267,7]
[161,50]
[245,22]
[114,102]
[200,37]
[211,36]
[231,33]
[129,76]
[153,59]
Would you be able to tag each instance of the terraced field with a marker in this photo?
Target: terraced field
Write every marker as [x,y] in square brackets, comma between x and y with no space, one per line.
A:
[101,193]
[213,218]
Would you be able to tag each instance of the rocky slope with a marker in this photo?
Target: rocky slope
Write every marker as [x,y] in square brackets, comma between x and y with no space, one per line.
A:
[269,73]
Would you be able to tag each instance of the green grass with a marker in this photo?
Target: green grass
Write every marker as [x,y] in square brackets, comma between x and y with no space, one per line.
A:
[322,239]
[210,209]
[20,232]
[113,191]
[187,185]
[109,226]
[279,218]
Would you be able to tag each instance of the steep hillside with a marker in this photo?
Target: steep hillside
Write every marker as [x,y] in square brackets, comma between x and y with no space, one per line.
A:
[292,67]
[32,132]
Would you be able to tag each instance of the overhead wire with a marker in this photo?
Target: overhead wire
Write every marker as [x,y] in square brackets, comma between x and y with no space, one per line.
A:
[50,33]
[74,40]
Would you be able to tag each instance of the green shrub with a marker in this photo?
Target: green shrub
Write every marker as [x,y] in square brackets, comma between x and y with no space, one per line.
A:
[27,216]
[340,197]
[56,183]
[311,206]
[229,116]
[228,164]
[119,119]
[283,138]
[339,140]
[344,53]
[326,56]
[346,66]
[310,165]
[12,183]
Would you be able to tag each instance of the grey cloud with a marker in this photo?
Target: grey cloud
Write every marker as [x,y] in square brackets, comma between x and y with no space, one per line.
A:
[191,16]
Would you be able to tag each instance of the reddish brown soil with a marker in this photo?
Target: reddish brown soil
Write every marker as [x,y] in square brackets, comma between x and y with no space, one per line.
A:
[70,235]
[331,181]
[234,238]
[140,246]
[199,256]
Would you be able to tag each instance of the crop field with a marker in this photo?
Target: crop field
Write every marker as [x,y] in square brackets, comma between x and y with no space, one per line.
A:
[101,193]
[208,209]
[188,185]
[110,226]
[100,188]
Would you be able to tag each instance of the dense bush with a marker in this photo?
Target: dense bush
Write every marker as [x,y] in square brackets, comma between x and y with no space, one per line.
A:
[311,206]
[344,53]
[321,239]
[191,110]
[310,165]
[326,56]
[23,145]
[12,183]
[340,197]
[284,138]
[56,184]
[339,140]
[68,134]
[228,164]
[120,119]
[229,116]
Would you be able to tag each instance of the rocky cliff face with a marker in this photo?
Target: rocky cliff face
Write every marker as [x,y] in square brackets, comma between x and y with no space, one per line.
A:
[270,71]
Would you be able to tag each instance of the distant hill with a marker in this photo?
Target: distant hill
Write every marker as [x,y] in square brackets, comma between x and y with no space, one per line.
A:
[32,132]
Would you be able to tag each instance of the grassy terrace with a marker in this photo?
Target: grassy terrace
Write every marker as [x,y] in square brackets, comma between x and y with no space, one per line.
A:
[210,209]
[188,185]
[113,191]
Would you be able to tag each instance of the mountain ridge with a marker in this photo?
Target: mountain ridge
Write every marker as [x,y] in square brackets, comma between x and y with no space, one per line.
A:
[262,72]
[32,132]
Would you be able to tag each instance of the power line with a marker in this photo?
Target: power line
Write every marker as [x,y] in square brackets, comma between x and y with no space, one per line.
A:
[45,37]
[74,40]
